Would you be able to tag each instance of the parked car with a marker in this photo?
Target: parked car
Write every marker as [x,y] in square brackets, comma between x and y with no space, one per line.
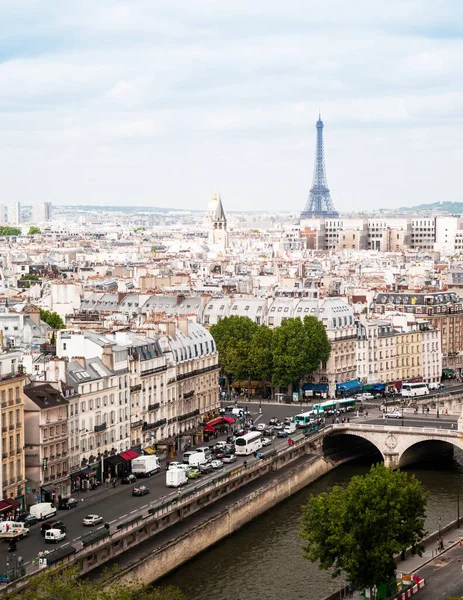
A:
[206,468]
[28,519]
[67,503]
[266,441]
[91,520]
[140,490]
[193,473]
[395,414]
[52,525]
[216,464]
[228,458]
[130,478]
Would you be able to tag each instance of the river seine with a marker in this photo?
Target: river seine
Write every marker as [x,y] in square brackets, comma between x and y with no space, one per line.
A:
[263,560]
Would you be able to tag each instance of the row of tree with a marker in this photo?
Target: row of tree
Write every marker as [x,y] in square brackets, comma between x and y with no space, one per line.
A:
[279,356]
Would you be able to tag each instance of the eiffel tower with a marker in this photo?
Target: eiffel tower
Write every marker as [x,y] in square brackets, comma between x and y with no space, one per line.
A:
[319,204]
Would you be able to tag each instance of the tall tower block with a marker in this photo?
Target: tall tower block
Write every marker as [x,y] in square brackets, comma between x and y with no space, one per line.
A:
[319,204]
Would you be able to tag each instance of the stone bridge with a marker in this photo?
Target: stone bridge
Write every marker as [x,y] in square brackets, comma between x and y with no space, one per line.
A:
[399,445]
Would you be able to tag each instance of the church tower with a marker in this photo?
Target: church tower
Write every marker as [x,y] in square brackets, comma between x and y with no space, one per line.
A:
[218,233]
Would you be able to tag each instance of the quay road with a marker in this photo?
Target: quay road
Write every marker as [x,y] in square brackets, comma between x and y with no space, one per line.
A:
[117,505]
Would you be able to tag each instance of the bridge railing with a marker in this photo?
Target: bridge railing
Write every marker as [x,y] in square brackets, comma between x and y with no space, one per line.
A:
[395,428]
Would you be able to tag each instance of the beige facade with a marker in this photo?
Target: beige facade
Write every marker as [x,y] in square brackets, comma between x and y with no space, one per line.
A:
[376,351]
[13,477]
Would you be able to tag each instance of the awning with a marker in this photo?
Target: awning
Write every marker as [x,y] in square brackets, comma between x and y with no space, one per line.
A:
[208,428]
[215,421]
[379,387]
[114,460]
[449,371]
[315,387]
[89,472]
[228,420]
[129,455]
[349,385]
[13,503]
[4,506]
[149,450]
[246,383]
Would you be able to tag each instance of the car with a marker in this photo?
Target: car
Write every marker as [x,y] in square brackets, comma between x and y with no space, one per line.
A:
[229,408]
[67,503]
[221,444]
[266,441]
[231,439]
[206,468]
[261,426]
[228,458]
[395,414]
[29,519]
[216,464]
[129,478]
[219,453]
[53,525]
[273,421]
[91,520]
[140,490]
[239,432]
[53,536]
[175,465]
[193,473]
[282,433]
[288,420]
[278,426]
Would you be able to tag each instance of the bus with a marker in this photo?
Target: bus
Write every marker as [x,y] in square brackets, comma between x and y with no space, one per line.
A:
[328,407]
[414,389]
[303,419]
[248,443]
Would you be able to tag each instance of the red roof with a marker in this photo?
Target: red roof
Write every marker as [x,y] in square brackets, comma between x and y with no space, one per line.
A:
[129,454]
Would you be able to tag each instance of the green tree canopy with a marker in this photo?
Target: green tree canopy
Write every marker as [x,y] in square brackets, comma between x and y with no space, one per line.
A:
[261,354]
[359,529]
[65,584]
[318,347]
[289,352]
[5,230]
[33,230]
[233,336]
[52,318]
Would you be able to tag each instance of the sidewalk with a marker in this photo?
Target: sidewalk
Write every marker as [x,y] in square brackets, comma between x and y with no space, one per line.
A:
[413,563]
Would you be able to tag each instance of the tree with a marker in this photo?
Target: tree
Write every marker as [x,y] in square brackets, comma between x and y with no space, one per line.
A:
[261,354]
[52,318]
[33,230]
[233,336]
[25,280]
[359,529]
[66,583]
[318,347]
[6,231]
[289,352]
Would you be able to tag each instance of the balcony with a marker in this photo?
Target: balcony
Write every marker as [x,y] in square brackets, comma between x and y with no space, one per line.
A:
[11,427]
[153,371]
[153,406]
[99,428]
[4,454]
[4,429]
[135,388]
[136,424]
[187,395]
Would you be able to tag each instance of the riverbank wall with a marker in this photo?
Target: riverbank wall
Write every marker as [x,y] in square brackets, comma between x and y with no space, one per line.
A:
[203,535]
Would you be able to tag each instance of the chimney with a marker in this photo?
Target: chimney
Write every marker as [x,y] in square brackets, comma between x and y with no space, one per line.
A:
[81,360]
[182,324]
[34,314]
[170,329]
[108,357]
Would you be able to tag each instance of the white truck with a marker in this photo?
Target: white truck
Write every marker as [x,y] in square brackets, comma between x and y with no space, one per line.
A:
[176,477]
[12,530]
[42,510]
[144,466]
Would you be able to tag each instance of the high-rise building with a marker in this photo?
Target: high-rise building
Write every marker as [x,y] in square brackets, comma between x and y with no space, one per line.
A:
[41,212]
[319,204]
[12,214]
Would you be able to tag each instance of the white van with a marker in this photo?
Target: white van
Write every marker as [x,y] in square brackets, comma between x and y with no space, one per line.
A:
[205,450]
[42,510]
[53,536]
[186,456]
[196,459]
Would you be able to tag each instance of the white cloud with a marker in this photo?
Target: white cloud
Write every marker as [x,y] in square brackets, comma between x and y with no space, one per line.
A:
[157,102]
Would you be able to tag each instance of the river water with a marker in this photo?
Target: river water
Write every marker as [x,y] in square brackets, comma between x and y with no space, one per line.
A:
[264,561]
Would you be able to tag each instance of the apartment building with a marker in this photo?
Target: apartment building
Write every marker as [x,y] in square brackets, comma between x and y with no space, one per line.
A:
[12,476]
[376,351]
[443,310]
[46,434]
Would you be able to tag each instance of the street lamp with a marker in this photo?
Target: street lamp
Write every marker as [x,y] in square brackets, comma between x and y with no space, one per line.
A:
[458,506]
[260,405]
[439,527]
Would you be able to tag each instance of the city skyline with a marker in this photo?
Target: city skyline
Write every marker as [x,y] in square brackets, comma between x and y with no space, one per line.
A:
[156,105]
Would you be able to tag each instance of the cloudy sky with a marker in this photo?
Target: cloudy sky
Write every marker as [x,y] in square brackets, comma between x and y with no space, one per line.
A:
[159,102]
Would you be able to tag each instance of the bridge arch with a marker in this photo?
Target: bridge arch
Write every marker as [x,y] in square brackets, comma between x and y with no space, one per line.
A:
[399,445]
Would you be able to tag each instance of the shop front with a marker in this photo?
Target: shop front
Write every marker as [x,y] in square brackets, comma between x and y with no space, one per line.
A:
[114,466]
[9,508]
[86,478]
[127,457]
[318,390]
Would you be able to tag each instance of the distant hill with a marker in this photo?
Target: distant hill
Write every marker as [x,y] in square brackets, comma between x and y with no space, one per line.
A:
[449,207]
